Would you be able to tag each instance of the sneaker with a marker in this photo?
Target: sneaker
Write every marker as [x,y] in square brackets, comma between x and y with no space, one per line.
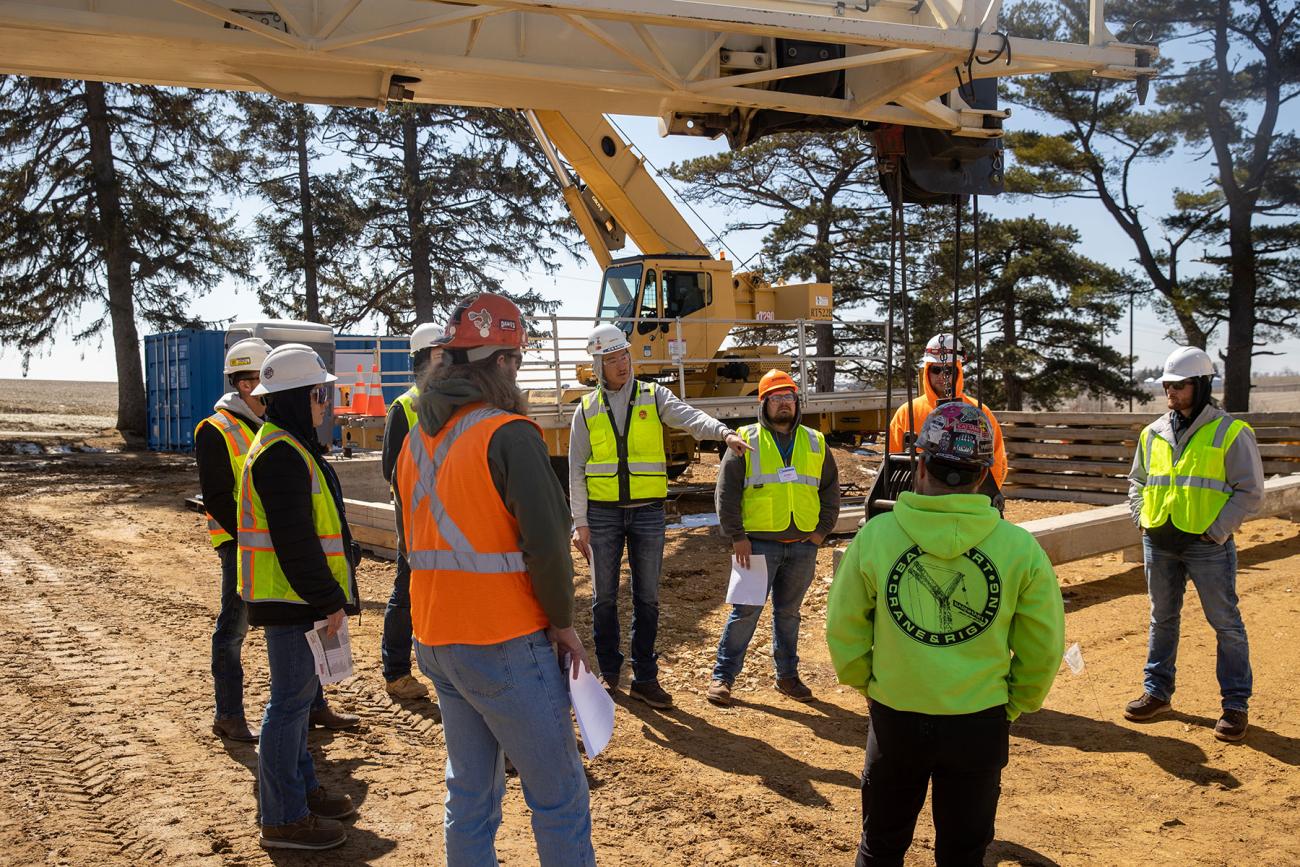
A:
[234,728]
[327,806]
[309,832]
[328,718]
[406,686]
[652,694]
[1145,708]
[719,693]
[794,688]
[1232,726]
[609,681]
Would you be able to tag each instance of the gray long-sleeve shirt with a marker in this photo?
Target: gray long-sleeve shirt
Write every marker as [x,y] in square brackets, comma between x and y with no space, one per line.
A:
[673,412]
[731,489]
[1241,463]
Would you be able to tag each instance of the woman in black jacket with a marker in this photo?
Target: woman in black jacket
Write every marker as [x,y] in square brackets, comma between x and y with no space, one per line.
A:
[296,568]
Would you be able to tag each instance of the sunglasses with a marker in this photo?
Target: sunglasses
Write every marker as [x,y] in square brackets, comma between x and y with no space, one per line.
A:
[782,397]
[321,394]
[943,371]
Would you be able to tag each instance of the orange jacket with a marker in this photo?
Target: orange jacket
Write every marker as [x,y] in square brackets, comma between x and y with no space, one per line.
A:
[925,403]
[469,584]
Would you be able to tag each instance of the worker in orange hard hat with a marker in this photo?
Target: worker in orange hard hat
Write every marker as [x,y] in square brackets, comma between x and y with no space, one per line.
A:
[941,382]
[778,502]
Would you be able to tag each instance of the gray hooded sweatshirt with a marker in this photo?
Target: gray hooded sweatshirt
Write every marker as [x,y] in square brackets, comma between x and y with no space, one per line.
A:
[1241,464]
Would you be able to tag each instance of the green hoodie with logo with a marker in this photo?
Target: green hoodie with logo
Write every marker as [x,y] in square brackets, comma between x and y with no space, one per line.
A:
[941,607]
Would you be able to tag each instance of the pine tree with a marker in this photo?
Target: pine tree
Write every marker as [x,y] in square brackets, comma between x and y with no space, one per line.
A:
[107,213]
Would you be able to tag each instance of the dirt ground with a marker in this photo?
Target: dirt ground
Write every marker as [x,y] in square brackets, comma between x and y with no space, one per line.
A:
[108,593]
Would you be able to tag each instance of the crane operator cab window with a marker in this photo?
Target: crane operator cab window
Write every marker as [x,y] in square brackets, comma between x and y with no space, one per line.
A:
[649,305]
[618,296]
[685,292]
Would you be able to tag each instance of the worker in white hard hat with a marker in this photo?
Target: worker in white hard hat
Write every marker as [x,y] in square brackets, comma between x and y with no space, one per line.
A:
[395,646]
[942,380]
[618,480]
[1196,477]
[296,568]
[221,443]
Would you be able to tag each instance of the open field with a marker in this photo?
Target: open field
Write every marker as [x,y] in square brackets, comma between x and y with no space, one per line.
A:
[108,593]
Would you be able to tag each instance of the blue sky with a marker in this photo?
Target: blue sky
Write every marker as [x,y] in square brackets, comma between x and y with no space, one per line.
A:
[575,284]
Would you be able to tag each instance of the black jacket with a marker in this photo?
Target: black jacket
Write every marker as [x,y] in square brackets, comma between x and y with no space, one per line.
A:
[284,485]
[216,481]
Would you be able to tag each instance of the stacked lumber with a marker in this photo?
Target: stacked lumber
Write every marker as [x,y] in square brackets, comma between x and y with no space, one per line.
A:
[373,527]
[1085,456]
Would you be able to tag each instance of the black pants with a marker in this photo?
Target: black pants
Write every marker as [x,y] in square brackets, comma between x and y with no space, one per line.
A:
[964,755]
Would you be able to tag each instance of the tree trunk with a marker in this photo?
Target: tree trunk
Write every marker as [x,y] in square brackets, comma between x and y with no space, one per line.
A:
[825,335]
[1011,384]
[1241,313]
[116,245]
[311,298]
[421,271]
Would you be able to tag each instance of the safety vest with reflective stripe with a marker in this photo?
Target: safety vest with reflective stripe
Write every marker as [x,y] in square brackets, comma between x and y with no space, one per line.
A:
[632,468]
[469,584]
[776,494]
[261,578]
[1191,492]
[239,437]
[407,400]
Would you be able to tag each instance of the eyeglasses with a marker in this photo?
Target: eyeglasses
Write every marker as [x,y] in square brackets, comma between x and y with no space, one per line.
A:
[1177,386]
[321,394]
[782,397]
[944,371]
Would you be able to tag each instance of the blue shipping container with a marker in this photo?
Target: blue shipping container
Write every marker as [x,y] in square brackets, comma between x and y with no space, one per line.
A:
[183,380]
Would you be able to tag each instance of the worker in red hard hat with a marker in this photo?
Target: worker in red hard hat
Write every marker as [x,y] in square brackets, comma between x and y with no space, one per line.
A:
[942,380]
[778,502]
[485,528]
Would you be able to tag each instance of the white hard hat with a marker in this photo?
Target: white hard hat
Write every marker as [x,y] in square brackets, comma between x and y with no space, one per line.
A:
[246,356]
[943,349]
[1187,362]
[292,365]
[605,339]
[425,336]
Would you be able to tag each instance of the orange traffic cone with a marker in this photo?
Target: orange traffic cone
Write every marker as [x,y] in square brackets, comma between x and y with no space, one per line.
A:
[375,406]
[357,406]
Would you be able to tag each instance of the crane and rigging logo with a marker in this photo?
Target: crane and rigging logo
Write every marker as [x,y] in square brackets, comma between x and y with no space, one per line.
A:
[942,605]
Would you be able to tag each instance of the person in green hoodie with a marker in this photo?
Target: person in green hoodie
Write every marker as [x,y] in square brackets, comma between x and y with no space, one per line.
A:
[949,620]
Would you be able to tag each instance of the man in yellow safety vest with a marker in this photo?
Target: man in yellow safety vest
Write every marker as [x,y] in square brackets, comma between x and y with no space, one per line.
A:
[1196,477]
[395,645]
[618,480]
[221,443]
[778,502]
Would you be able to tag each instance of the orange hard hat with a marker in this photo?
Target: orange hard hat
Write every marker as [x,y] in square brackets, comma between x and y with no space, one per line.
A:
[484,324]
[775,380]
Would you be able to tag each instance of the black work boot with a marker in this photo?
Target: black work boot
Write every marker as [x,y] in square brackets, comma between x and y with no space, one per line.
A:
[652,694]
[1145,708]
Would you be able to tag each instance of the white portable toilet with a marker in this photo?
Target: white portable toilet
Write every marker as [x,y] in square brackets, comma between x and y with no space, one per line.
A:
[277,332]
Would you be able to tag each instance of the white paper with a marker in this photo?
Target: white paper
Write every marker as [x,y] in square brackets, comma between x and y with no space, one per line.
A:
[333,655]
[1074,658]
[594,709]
[748,586]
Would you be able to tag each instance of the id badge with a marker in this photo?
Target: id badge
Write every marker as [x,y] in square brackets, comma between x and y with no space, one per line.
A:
[788,474]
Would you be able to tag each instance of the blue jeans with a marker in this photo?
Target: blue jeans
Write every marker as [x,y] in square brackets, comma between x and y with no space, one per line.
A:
[1213,569]
[790,569]
[642,528]
[285,773]
[395,646]
[510,696]
[228,639]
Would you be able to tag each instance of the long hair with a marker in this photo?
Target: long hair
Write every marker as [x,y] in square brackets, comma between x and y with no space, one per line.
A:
[497,388]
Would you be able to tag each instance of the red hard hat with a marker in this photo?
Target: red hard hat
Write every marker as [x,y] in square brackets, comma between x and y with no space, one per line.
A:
[775,380]
[487,323]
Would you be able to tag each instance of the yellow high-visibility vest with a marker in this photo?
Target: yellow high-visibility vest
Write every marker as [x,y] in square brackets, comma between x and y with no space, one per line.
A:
[632,468]
[239,438]
[407,400]
[261,578]
[1191,492]
[776,495]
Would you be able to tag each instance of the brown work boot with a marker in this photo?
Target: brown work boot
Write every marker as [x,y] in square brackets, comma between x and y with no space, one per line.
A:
[1145,708]
[608,680]
[719,693]
[328,718]
[309,832]
[329,806]
[1232,726]
[652,694]
[234,728]
[406,686]
[794,688]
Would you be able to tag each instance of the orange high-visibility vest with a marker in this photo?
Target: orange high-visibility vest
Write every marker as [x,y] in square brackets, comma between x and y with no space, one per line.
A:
[469,584]
[239,437]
